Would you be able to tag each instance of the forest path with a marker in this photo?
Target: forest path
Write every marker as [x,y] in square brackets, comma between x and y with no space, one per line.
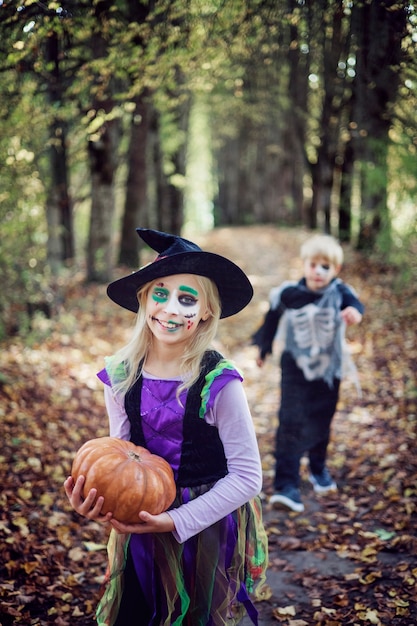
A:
[341,561]
[350,558]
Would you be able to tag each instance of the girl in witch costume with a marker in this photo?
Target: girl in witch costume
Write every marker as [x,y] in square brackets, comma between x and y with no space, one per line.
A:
[198,563]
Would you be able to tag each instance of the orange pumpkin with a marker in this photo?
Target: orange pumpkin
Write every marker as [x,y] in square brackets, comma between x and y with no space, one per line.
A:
[129,477]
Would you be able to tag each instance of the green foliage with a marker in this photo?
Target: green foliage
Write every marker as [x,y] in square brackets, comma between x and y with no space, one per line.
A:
[22,257]
[261,69]
[402,160]
[22,216]
[404,253]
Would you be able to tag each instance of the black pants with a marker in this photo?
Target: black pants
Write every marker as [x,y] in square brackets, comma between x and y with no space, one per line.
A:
[134,610]
[306,411]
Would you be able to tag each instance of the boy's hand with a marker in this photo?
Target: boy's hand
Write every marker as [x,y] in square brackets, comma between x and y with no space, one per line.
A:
[351,316]
[260,361]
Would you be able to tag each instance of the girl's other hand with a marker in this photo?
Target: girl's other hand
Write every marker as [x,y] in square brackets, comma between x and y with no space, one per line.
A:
[90,506]
[147,523]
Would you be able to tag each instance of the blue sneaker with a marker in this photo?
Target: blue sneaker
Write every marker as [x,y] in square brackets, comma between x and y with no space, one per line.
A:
[288,498]
[323,482]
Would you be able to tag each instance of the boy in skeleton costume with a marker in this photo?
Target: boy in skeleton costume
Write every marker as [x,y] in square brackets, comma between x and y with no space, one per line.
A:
[312,315]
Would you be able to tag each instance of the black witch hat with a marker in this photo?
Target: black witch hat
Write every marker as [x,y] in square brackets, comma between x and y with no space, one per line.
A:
[180,256]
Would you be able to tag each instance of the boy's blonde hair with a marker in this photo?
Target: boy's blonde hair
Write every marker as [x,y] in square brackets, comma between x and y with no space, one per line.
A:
[132,355]
[322,246]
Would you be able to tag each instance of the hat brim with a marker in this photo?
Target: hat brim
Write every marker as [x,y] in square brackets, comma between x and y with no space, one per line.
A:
[234,288]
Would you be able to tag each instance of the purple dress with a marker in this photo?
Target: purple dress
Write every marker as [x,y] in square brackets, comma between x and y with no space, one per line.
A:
[206,580]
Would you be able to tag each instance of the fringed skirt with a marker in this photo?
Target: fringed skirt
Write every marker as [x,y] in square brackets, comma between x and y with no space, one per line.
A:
[209,580]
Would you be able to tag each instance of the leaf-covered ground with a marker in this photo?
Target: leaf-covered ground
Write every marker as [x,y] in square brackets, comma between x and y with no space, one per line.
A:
[350,558]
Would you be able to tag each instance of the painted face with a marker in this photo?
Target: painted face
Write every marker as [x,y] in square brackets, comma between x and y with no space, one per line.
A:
[319,272]
[175,306]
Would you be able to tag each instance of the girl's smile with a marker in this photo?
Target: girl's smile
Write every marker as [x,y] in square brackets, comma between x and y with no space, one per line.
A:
[169,326]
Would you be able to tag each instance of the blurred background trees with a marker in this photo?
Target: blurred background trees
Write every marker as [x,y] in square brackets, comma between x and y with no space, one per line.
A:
[188,114]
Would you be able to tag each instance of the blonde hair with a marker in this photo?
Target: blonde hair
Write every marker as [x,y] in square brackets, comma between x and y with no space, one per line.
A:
[325,246]
[131,357]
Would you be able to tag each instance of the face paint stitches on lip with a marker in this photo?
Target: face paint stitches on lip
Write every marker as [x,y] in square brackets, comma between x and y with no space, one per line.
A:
[170,325]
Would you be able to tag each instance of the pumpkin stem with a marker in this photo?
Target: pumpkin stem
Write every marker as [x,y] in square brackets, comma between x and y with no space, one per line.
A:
[134,456]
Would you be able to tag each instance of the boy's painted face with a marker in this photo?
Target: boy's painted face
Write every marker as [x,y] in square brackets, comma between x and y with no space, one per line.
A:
[319,272]
[175,306]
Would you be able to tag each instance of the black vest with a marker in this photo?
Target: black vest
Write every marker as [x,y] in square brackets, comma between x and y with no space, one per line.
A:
[202,454]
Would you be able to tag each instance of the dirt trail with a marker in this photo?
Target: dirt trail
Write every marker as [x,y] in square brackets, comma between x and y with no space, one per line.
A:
[339,561]
[350,558]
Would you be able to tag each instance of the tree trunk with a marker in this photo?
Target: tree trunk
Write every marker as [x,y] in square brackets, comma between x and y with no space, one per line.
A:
[60,247]
[137,202]
[346,195]
[377,32]
[102,168]
[296,115]
[333,50]
[170,166]
[135,210]
[226,209]
[102,152]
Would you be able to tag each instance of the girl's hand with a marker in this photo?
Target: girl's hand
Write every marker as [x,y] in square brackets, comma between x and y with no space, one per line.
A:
[90,506]
[147,523]
[351,315]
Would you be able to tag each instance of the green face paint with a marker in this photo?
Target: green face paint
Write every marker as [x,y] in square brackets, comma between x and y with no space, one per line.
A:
[173,306]
[193,292]
[160,294]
